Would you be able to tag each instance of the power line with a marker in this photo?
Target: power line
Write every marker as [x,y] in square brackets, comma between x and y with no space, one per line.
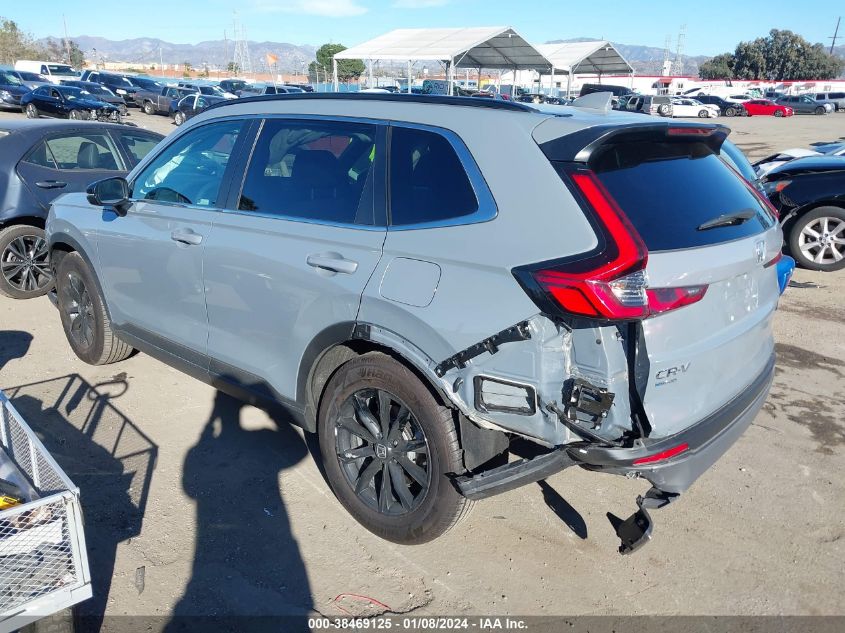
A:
[835,35]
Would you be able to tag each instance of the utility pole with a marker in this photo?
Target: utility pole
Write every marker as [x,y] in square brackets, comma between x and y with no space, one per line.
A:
[835,35]
[67,41]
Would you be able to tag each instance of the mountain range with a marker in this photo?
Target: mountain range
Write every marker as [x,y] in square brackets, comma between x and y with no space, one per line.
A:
[646,60]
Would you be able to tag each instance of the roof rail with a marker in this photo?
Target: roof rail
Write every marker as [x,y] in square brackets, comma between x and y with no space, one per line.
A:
[472,102]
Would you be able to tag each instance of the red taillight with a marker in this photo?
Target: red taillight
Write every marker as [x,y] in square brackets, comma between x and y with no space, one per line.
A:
[774,260]
[612,284]
[659,457]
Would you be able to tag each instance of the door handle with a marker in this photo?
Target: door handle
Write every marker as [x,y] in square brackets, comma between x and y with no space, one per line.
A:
[334,262]
[186,236]
[51,184]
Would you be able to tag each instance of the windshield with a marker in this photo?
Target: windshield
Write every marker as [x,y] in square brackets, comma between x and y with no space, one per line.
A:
[71,94]
[146,84]
[8,79]
[61,69]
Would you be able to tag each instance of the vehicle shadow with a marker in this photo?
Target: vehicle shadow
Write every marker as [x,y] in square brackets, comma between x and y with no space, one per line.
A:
[13,344]
[107,456]
[247,573]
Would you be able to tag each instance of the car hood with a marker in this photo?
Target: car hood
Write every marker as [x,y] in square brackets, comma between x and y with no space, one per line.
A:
[17,91]
[92,104]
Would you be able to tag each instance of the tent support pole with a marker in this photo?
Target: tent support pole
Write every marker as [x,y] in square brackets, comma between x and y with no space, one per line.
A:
[552,84]
[569,84]
[370,78]
[335,83]
[450,75]
[409,76]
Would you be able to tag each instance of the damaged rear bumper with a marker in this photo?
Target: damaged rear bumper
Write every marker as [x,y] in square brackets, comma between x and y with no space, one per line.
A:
[704,443]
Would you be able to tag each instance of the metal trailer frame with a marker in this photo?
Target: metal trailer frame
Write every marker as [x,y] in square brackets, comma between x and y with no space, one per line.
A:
[43,559]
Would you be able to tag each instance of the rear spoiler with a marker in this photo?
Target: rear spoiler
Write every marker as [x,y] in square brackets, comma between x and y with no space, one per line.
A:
[579,146]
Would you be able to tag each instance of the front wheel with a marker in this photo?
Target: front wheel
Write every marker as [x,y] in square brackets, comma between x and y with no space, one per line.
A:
[86,324]
[24,266]
[388,448]
[76,115]
[149,108]
[821,110]
[730,112]
[703,114]
[817,239]
[179,118]
[778,113]
[31,111]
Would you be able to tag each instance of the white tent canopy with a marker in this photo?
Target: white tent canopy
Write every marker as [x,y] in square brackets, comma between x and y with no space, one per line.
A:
[494,47]
[586,58]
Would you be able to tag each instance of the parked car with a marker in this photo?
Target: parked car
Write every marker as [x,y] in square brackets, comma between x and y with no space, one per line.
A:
[407,320]
[765,165]
[118,84]
[726,108]
[764,107]
[67,102]
[650,104]
[191,105]
[233,86]
[100,92]
[809,194]
[162,100]
[54,73]
[11,90]
[805,104]
[310,88]
[836,99]
[144,83]
[207,89]
[30,80]
[40,160]
[693,107]
[256,90]
[740,97]
[616,91]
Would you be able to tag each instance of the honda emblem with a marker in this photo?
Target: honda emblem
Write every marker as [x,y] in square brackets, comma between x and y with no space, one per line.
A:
[760,251]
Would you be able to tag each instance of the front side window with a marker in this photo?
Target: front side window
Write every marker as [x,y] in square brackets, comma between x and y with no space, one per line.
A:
[428,183]
[314,170]
[190,170]
[84,151]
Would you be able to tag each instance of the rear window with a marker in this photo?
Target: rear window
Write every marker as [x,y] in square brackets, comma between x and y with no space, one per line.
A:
[670,189]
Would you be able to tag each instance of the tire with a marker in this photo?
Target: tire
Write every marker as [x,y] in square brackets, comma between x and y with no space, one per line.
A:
[149,108]
[32,111]
[703,114]
[179,118]
[663,110]
[76,115]
[803,244]
[123,110]
[429,505]
[778,113]
[24,262]
[820,110]
[730,112]
[86,324]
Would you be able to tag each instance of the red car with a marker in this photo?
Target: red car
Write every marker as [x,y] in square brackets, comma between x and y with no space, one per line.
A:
[766,107]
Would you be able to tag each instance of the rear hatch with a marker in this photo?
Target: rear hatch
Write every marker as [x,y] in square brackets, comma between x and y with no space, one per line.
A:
[698,281]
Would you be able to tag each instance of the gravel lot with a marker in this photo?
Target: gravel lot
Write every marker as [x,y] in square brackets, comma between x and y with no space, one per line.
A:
[197,504]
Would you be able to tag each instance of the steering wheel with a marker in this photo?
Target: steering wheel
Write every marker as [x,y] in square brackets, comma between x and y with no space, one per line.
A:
[166,194]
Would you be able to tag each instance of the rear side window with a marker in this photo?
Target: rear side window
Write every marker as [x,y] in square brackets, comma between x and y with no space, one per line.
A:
[669,190]
[428,183]
[84,151]
[313,170]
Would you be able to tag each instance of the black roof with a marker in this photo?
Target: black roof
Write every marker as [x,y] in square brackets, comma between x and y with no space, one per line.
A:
[809,164]
[470,102]
[33,125]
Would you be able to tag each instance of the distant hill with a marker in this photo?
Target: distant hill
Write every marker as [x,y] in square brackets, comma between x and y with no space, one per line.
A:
[214,53]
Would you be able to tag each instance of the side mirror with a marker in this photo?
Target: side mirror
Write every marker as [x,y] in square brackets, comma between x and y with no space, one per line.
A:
[110,192]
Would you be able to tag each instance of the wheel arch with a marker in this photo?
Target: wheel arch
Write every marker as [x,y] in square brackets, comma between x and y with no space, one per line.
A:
[61,245]
[795,214]
[340,343]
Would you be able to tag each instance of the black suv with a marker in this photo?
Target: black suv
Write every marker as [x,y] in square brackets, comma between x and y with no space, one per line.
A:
[118,84]
[727,108]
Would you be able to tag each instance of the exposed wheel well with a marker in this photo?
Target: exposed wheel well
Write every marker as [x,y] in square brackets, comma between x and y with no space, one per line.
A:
[57,253]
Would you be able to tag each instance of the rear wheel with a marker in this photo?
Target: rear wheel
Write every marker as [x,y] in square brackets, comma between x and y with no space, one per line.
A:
[703,114]
[31,111]
[179,118]
[730,112]
[778,113]
[821,110]
[148,108]
[817,239]
[663,110]
[86,324]
[388,448]
[24,265]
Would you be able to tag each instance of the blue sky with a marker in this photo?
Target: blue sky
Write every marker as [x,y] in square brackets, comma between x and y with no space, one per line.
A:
[713,26]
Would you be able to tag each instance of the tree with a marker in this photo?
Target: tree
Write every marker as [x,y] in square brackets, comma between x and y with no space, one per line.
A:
[781,56]
[14,43]
[719,67]
[66,51]
[233,68]
[346,68]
